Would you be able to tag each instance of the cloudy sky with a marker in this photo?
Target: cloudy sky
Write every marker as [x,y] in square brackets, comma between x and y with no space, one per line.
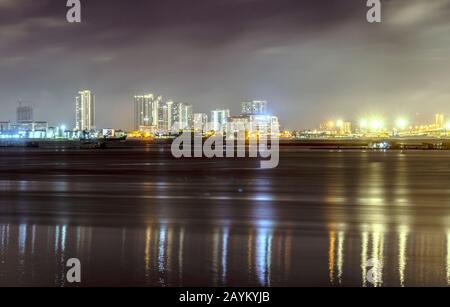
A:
[311,59]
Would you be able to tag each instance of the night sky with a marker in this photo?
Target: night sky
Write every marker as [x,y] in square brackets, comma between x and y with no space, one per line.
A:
[311,59]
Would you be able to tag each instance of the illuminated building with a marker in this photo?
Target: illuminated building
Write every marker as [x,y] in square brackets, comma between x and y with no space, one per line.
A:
[24,113]
[180,117]
[255,107]
[187,117]
[163,118]
[85,111]
[237,124]
[264,124]
[245,120]
[146,112]
[338,127]
[172,110]
[4,126]
[219,119]
[328,126]
[346,128]
[200,121]
[440,121]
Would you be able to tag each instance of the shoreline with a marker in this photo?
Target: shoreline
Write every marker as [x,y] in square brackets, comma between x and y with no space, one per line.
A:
[325,144]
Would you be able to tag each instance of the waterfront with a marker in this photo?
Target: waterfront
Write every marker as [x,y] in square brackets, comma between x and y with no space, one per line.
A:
[139,217]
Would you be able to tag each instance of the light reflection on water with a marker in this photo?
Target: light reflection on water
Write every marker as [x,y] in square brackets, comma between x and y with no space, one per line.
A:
[170,255]
[320,219]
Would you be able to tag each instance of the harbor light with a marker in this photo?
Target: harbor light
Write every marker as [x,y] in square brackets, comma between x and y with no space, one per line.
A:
[401,123]
[363,123]
[376,124]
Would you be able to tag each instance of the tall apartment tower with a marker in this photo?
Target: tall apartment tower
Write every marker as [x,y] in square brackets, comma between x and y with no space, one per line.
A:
[147,111]
[200,122]
[85,111]
[219,118]
[181,116]
[24,113]
[440,121]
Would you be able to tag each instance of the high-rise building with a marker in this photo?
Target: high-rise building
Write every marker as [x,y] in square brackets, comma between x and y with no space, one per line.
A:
[182,116]
[200,122]
[187,117]
[163,118]
[146,112]
[440,121]
[24,114]
[219,119]
[346,128]
[85,111]
[264,124]
[5,126]
[255,107]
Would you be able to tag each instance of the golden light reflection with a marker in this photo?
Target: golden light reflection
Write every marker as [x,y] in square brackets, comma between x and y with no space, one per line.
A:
[364,253]
[402,252]
[331,252]
[148,237]
[340,255]
[372,255]
[250,250]
[377,255]
[336,255]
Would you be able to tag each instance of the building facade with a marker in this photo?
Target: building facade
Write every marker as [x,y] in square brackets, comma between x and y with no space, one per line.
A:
[200,122]
[440,121]
[85,111]
[219,119]
[146,111]
[24,114]
[5,126]
[181,116]
[264,124]
[255,107]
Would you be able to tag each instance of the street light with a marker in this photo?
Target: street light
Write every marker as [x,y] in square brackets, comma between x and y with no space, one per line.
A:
[401,123]
[363,123]
[376,124]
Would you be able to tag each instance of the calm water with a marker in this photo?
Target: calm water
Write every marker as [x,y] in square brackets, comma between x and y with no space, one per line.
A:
[139,217]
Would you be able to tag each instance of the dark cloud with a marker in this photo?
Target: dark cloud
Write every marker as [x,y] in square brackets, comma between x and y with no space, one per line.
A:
[311,59]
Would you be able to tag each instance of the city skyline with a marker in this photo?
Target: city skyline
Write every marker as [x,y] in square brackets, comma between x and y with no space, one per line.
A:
[299,55]
[162,113]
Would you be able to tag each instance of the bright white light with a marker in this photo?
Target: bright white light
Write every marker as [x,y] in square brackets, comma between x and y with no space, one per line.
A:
[363,123]
[340,123]
[447,126]
[63,128]
[401,123]
[376,124]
